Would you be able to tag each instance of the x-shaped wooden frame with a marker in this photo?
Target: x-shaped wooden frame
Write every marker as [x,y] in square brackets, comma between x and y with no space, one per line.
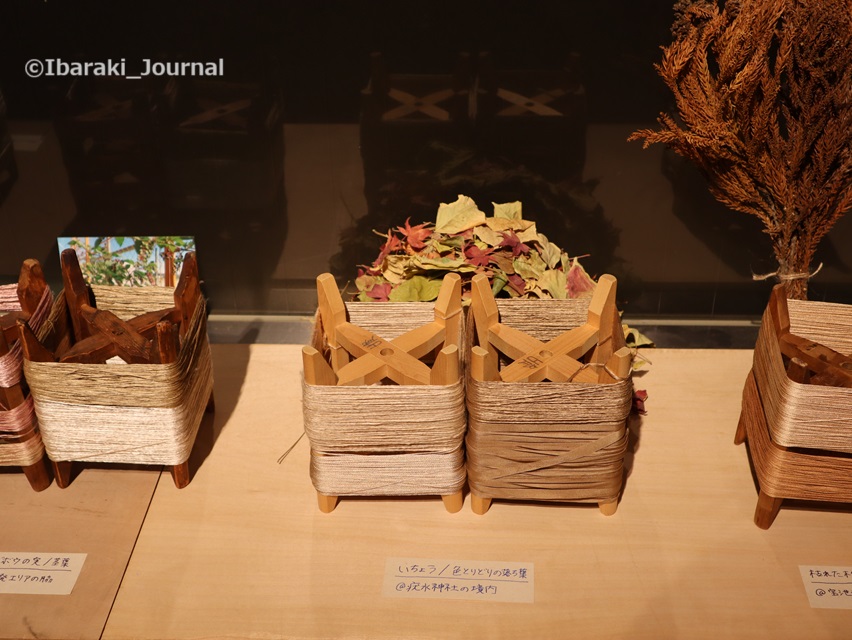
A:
[558,359]
[537,105]
[428,105]
[376,358]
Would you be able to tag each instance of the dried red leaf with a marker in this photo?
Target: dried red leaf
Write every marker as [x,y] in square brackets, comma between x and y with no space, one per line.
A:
[476,256]
[517,283]
[391,244]
[511,241]
[639,397]
[415,235]
[380,292]
[578,281]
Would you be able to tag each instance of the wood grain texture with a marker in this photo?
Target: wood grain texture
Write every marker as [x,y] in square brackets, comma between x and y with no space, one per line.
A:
[99,515]
[249,555]
[681,557]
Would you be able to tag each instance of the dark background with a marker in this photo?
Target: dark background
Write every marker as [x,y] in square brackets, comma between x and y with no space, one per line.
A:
[316,55]
[317,50]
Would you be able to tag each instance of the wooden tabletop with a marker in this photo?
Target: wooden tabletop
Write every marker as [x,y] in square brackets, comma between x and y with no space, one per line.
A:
[100,515]
[244,552]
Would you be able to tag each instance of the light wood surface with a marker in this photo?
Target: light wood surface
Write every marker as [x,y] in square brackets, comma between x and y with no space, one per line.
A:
[100,514]
[243,551]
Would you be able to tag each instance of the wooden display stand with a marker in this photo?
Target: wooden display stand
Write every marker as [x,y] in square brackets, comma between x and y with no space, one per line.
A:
[31,289]
[796,405]
[344,354]
[96,335]
[593,353]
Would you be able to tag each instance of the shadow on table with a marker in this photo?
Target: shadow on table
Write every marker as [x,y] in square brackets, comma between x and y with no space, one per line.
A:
[230,363]
[634,429]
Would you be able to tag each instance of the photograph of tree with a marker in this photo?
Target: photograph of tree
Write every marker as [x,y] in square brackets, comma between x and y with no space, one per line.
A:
[130,261]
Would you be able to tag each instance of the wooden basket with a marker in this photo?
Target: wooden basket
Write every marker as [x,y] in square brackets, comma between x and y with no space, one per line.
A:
[573,451]
[20,440]
[376,457]
[147,412]
[796,421]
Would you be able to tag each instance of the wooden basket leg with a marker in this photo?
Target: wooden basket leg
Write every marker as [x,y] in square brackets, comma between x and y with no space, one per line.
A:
[767,508]
[37,475]
[180,474]
[479,504]
[608,508]
[62,473]
[326,503]
[742,426]
[453,503]
[742,432]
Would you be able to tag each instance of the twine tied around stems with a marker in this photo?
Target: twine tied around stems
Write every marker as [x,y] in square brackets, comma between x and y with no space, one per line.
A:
[784,277]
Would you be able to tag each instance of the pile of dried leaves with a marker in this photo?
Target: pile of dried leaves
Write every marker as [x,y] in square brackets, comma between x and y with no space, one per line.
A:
[518,260]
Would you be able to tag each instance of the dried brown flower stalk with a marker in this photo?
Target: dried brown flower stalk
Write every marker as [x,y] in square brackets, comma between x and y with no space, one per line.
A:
[763,91]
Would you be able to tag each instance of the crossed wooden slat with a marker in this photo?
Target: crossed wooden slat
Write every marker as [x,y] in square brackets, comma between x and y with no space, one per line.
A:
[559,359]
[214,110]
[427,105]
[108,107]
[538,104]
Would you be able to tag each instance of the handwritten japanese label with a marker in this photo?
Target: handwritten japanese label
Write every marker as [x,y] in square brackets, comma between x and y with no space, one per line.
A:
[828,587]
[39,573]
[459,579]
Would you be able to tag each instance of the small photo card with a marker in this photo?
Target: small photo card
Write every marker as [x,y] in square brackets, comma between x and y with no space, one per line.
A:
[134,261]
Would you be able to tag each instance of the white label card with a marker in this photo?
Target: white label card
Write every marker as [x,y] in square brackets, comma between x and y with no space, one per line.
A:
[484,580]
[828,587]
[39,573]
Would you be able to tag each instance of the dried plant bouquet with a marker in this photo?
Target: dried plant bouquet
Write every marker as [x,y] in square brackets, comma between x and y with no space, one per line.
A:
[763,91]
